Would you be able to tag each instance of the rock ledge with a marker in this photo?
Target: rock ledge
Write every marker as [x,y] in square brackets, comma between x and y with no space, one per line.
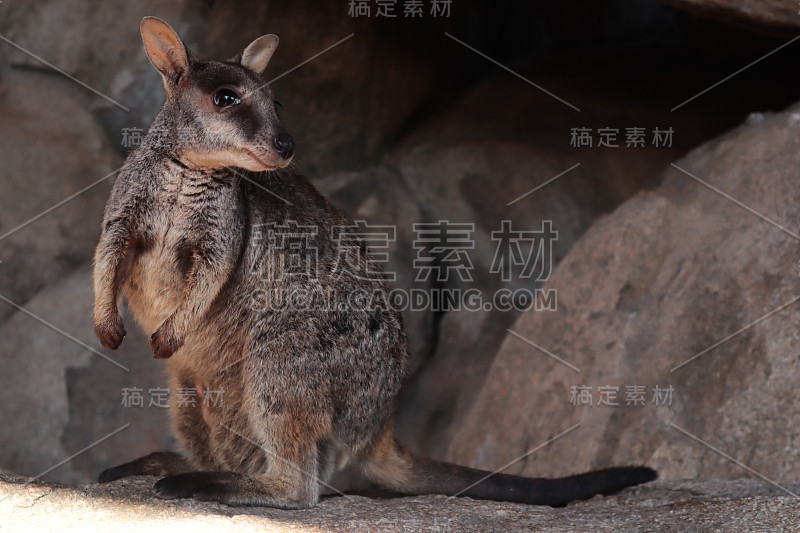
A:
[129,505]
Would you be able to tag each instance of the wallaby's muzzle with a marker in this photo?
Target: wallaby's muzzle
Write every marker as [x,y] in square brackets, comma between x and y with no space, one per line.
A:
[284,145]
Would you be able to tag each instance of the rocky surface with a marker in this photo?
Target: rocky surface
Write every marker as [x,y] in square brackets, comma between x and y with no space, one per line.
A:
[757,14]
[467,164]
[683,287]
[52,149]
[675,506]
[62,395]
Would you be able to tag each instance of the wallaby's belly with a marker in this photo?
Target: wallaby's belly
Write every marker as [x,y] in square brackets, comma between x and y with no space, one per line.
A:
[156,284]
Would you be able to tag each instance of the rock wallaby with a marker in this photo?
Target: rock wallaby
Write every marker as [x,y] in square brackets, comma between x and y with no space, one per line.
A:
[202,223]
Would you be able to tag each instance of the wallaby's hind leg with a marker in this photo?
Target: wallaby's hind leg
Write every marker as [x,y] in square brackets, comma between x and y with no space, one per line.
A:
[291,482]
[155,464]
[282,472]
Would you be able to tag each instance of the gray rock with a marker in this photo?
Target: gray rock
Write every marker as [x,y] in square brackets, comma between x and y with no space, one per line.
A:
[52,149]
[675,506]
[102,48]
[756,14]
[60,397]
[466,165]
[4,66]
[675,273]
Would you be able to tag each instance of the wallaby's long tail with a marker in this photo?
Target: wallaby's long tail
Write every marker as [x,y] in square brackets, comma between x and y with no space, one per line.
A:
[396,469]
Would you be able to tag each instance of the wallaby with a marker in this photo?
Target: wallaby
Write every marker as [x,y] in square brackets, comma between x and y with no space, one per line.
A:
[307,391]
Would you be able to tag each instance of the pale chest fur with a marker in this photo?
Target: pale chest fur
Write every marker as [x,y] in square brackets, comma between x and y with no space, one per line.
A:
[188,208]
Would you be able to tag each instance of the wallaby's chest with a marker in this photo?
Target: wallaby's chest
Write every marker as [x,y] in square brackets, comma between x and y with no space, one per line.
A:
[189,214]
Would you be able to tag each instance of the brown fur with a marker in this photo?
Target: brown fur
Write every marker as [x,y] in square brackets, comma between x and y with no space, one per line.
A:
[306,392]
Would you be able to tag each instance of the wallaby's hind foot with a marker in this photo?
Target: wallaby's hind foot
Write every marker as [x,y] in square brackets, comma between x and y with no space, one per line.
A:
[155,464]
[235,489]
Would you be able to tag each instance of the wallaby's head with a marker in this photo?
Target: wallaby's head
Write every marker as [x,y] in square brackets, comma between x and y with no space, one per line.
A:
[224,113]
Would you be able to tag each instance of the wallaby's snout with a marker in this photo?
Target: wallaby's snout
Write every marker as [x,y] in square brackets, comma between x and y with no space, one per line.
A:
[224,111]
[284,145]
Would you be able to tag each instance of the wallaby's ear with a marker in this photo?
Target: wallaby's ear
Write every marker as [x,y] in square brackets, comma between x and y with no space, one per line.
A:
[164,48]
[258,53]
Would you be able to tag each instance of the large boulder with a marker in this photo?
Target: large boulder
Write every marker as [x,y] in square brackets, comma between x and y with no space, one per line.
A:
[476,162]
[60,395]
[691,287]
[773,15]
[53,149]
[102,49]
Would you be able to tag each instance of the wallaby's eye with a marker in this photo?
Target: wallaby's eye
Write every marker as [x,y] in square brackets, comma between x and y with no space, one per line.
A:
[225,98]
[278,105]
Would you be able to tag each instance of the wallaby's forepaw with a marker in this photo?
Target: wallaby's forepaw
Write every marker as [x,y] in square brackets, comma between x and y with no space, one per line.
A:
[110,332]
[165,341]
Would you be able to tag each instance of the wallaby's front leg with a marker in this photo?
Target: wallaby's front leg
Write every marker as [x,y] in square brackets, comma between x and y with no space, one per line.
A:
[155,464]
[210,268]
[113,259]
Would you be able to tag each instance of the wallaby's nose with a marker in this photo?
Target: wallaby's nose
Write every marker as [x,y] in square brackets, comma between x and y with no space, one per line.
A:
[284,145]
